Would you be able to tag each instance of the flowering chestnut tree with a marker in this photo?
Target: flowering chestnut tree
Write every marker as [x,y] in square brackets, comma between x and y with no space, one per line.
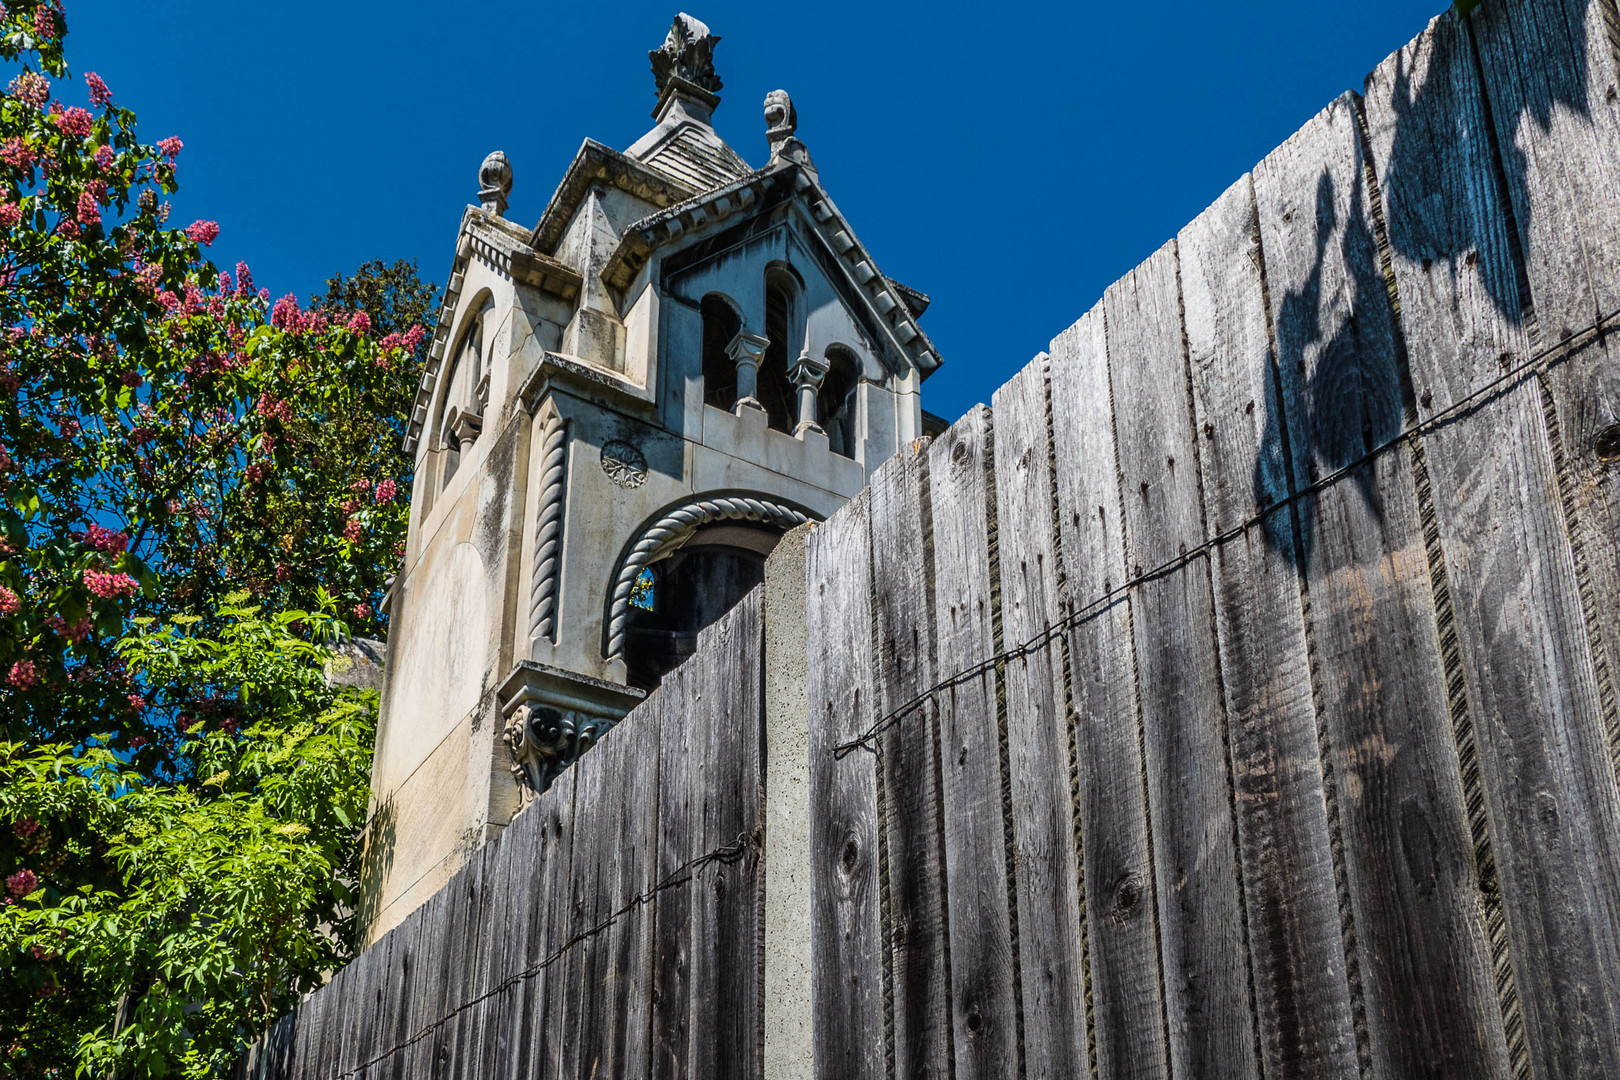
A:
[180,795]
[167,432]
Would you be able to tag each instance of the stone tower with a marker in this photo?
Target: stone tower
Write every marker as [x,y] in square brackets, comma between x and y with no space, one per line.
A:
[624,407]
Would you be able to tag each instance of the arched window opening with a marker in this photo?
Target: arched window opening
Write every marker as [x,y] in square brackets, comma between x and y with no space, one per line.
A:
[688,591]
[720,326]
[837,399]
[466,385]
[785,330]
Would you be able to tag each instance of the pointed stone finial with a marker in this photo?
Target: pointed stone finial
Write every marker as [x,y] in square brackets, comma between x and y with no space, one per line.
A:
[782,120]
[494,183]
[686,55]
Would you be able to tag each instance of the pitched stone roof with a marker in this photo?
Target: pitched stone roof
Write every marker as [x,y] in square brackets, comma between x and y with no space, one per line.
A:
[695,156]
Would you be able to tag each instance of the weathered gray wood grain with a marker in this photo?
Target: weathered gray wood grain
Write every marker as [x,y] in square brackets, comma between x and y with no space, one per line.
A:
[1431,967]
[1312,219]
[678,817]
[1052,941]
[579,1008]
[1523,638]
[1207,974]
[628,953]
[1552,74]
[1126,981]
[727,718]
[554,923]
[846,914]
[984,969]
[909,756]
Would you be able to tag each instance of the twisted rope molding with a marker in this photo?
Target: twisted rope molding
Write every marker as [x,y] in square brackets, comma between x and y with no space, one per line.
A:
[674,529]
[548,526]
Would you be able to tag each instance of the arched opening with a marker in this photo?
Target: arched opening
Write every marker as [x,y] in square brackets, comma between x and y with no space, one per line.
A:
[720,326]
[462,407]
[784,327]
[679,596]
[837,399]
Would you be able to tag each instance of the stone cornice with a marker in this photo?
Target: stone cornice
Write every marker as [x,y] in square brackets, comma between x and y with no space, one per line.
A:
[593,163]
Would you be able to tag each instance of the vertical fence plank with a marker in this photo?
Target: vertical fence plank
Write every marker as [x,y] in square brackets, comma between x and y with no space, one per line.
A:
[1524,642]
[633,782]
[846,920]
[1186,730]
[673,913]
[725,711]
[1335,405]
[1051,934]
[1443,1004]
[1551,75]
[554,923]
[522,840]
[984,959]
[1126,985]
[909,755]
[577,1009]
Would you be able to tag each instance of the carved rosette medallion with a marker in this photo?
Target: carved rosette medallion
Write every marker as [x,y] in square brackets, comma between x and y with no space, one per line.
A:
[624,464]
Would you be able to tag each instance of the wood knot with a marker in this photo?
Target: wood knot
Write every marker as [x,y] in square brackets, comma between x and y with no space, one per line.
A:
[852,854]
[1127,894]
[959,453]
[975,1021]
[1607,444]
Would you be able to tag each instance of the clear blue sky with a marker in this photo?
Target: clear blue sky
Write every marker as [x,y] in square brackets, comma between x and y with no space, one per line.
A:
[1009,160]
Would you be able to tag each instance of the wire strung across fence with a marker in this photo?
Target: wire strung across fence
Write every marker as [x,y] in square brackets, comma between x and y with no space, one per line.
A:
[682,874]
[1512,376]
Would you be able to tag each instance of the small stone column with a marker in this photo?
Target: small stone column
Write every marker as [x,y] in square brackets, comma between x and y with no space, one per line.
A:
[807,375]
[745,351]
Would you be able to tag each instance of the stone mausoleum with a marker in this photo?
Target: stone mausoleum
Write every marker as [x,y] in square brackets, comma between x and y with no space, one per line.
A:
[624,407]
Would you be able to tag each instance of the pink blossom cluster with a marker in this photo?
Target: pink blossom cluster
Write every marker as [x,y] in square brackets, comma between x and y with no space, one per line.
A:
[10,602]
[362,611]
[75,631]
[18,154]
[170,147]
[361,484]
[283,571]
[89,208]
[22,882]
[75,122]
[229,725]
[255,472]
[244,280]
[110,586]
[352,530]
[31,88]
[108,540]
[203,232]
[10,215]
[100,96]
[408,341]
[360,323]
[286,315]
[105,159]
[44,23]
[137,703]
[23,675]
[131,379]
[23,828]
[274,408]
[386,490]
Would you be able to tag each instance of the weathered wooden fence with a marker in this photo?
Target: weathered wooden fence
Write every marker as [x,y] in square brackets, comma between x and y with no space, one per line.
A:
[1234,698]
[613,929]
